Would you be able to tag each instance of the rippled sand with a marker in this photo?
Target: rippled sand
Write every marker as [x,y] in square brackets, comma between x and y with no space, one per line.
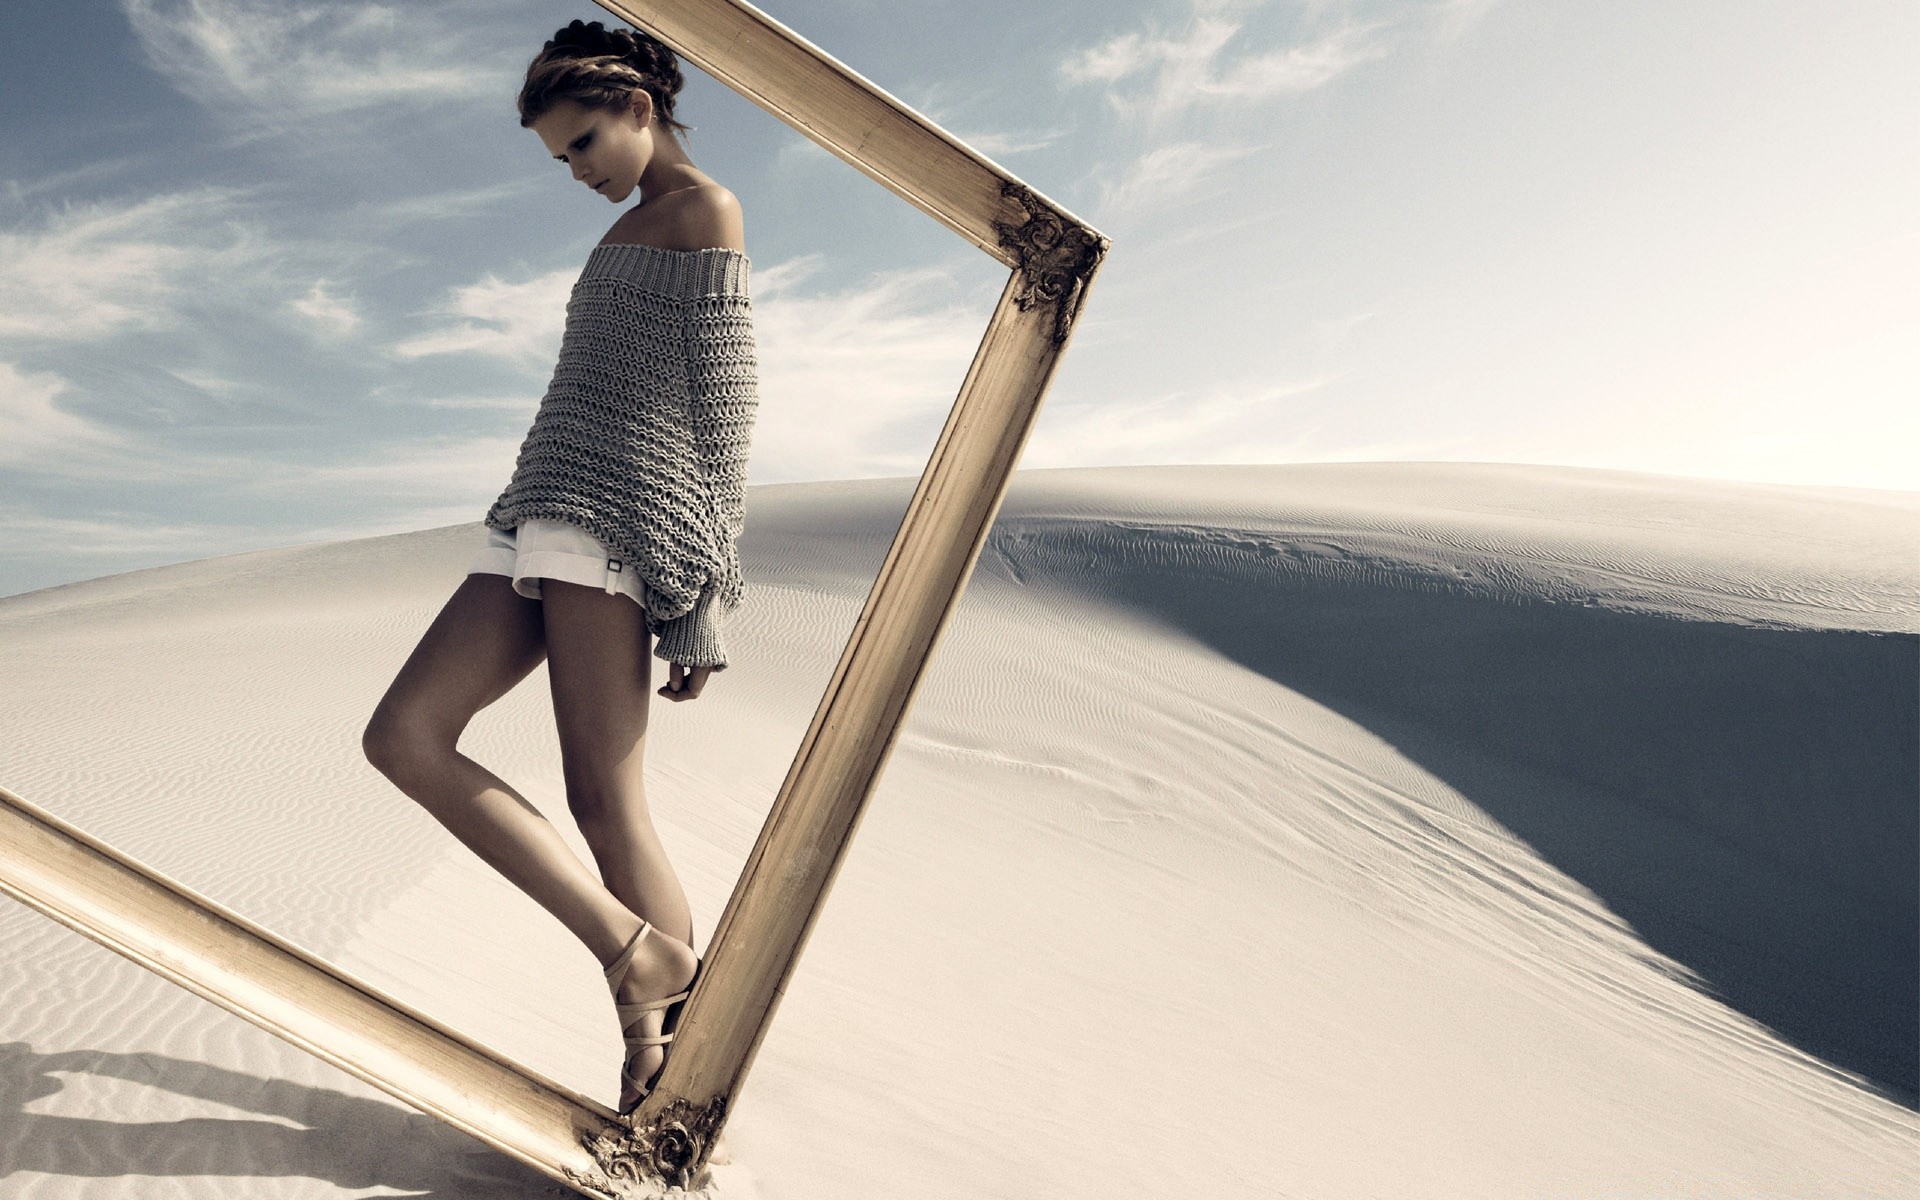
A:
[1343,830]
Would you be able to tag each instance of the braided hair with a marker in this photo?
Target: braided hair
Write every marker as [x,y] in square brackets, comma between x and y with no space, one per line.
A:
[597,67]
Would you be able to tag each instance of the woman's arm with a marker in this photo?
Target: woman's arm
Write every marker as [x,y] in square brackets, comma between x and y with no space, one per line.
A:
[722,378]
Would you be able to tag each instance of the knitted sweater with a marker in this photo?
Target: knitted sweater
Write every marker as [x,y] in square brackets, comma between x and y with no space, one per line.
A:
[642,436]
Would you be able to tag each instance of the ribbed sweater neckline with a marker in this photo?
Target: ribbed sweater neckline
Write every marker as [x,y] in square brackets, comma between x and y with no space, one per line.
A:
[706,271]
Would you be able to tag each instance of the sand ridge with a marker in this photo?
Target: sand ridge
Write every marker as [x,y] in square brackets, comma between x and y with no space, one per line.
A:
[1335,830]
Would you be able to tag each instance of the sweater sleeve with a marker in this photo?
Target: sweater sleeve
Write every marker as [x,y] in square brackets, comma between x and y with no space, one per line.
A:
[723,400]
[693,640]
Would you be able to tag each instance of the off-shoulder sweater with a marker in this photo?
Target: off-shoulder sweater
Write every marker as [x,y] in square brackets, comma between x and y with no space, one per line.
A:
[643,434]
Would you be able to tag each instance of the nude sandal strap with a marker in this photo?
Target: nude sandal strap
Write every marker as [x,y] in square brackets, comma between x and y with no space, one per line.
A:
[633,1040]
[624,959]
[631,1014]
[623,1007]
[627,1076]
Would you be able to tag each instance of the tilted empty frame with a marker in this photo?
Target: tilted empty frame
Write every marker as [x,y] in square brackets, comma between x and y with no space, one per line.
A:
[1052,257]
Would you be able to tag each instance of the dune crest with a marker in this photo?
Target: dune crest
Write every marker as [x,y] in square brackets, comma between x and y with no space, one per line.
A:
[1465,830]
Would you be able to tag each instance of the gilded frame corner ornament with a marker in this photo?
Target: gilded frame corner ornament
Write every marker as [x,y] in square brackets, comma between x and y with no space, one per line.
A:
[669,1151]
[1056,259]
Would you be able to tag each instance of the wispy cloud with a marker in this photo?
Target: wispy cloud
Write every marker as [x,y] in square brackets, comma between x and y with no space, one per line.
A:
[506,402]
[42,439]
[1157,79]
[1335,335]
[1155,74]
[520,322]
[952,109]
[78,178]
[204,381]
[96,269]
[862,378]
[283,61]
[39,437]
[1296,68]
[332,315]
[802,153]
[785,276]
[110,535]
[1454,17]
[439,206]
[799,153]
[992,144]
[34,429]
[1229,423]
[411,471]
[1166,173]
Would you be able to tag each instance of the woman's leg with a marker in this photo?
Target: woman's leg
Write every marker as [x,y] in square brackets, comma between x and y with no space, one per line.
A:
[486,639]
[599,665]
[600,669]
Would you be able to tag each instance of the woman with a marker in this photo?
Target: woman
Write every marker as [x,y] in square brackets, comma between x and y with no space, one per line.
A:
[619,524]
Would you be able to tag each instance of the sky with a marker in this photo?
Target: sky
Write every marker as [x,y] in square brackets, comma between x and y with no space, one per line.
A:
[277,272]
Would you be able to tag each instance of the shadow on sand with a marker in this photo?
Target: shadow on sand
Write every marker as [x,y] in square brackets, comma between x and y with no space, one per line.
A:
[303,1131]
[1761,817]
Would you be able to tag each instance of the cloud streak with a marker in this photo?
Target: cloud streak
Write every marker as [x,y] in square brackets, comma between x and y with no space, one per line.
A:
[1228,423]
[98,269]
[520,322]
[1156,75]
[34,429]
[862,378]
[1166,173]
[265,63]
[1160,82]
[331,315]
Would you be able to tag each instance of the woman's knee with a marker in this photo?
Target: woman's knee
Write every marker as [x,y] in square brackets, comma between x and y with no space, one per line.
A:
[397,746]
[486,639]
[607,800]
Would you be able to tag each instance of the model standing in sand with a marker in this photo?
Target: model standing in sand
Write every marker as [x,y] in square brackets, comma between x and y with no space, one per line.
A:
[621,522]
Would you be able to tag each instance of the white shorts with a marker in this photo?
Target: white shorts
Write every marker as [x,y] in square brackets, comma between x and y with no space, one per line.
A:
[537,549]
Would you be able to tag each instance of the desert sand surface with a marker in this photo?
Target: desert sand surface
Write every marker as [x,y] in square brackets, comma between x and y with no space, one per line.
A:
[1327,831]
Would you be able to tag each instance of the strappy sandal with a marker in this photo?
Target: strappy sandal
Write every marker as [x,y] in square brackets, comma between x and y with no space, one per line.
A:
[633,1012]
[671,1022]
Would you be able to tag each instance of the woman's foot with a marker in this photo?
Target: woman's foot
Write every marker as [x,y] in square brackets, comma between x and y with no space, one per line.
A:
[659,966]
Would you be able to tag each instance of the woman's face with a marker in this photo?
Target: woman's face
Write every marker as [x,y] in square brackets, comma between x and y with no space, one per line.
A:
[606,149]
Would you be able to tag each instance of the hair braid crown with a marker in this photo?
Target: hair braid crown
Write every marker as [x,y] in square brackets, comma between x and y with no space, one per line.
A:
[597,67]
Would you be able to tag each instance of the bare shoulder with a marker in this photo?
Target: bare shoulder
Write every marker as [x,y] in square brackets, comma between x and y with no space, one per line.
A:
[697,217]
[703,217]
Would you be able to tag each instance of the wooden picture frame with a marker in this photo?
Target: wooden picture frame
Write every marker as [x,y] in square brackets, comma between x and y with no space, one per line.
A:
[162,925]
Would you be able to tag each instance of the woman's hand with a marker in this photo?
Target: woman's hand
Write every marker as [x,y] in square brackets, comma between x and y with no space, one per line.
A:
[684,683]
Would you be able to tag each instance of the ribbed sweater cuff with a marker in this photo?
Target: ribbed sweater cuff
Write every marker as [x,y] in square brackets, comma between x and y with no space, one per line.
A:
[693,640]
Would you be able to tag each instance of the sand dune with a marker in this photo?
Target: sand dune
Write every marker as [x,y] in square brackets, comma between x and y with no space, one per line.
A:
[1387,829]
